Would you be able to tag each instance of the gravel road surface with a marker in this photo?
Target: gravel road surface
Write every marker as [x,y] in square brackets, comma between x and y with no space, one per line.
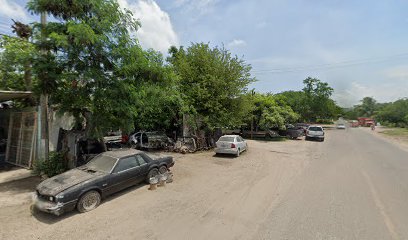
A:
[356,189]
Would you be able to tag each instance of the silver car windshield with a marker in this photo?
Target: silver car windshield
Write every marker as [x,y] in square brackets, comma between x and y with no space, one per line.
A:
[317,129]
[102,163]
[226,139]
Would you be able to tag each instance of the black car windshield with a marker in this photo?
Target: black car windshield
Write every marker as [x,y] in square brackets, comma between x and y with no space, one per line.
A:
[102,163]
[318,129]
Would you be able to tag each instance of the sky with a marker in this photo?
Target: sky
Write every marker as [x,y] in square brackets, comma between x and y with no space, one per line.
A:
[359,47]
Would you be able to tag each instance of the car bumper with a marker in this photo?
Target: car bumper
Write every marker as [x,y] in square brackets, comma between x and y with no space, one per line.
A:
[52,207]
[226,150]
[315,136]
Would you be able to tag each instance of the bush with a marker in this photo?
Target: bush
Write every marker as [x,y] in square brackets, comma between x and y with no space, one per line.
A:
[51,167]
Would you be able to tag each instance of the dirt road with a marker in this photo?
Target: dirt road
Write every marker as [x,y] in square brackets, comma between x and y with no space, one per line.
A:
[356,189]
[339,189]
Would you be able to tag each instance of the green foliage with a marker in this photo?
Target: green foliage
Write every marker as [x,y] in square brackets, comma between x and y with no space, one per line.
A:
[271,111]
[212,83]
[395,113]
[15,59]
[313,103]
[82,70]
[367,107]
[51,167]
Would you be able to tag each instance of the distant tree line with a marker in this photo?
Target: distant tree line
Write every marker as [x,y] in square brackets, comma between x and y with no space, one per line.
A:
[93,67]
[394,114]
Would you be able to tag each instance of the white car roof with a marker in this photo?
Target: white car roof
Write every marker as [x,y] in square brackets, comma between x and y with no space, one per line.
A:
[230,136]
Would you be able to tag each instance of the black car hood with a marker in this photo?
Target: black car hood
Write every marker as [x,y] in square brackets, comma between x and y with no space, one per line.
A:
[59,183]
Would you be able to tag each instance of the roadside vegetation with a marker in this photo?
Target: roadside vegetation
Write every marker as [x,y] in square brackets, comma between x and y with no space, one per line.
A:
[91,65]
[392,114]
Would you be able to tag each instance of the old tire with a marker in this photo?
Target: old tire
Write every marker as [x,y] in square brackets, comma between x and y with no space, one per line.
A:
[89,201]
[152,173]
[163,169]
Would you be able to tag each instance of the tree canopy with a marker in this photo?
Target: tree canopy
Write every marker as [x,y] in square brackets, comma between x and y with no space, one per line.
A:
[212,83]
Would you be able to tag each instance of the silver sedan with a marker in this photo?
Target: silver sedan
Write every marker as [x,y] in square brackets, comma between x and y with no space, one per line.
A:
[231,144]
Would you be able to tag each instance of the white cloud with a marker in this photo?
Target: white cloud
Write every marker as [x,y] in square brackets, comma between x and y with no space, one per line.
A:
[10,9]
[200,7]
[157,31]
[397,73]
[386,91]
[236,43]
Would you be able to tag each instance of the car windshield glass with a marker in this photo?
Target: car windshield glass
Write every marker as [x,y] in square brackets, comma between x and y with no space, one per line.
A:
[315,129]
[102,163]
[226,139]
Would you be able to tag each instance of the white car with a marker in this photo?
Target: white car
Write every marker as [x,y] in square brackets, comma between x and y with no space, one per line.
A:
[341,126]
[231,144]
[315,132]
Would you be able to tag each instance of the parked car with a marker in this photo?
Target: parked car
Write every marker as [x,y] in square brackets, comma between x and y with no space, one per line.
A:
[304,126]
[341,126]
[259,134]
[291,131]
[315,132]
[231,144]
[84,187]
[150,140]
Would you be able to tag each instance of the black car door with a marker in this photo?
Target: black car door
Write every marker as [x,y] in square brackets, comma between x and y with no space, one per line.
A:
[124,175]
[143,166]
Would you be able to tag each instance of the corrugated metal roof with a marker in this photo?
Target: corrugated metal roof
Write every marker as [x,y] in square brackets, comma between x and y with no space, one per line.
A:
[11,95]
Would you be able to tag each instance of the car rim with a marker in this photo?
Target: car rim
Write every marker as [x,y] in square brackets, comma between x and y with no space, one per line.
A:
[163,170]
[90,201]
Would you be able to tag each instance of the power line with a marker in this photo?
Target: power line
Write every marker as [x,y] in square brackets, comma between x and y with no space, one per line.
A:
[331,65]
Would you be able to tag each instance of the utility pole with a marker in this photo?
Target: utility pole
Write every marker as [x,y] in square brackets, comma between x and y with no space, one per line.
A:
[45,136]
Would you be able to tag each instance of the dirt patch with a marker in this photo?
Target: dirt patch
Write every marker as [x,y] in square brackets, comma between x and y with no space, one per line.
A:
[398,137]
[17,192]
[212,197]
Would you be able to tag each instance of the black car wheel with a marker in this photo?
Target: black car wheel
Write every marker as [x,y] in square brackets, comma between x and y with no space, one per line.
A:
[89,201]
[163,169]
[152,173]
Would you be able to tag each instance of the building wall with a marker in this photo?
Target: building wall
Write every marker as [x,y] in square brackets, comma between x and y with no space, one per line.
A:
[57,122]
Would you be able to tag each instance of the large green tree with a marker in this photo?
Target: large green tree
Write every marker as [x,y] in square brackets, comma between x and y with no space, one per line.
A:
[270,111]
[314,102]
[212,83]
[83,61]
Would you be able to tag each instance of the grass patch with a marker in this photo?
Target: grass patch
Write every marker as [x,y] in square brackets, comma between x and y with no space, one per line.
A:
[396,132]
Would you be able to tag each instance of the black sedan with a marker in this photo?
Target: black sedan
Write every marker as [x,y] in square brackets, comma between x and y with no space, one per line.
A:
[84,187]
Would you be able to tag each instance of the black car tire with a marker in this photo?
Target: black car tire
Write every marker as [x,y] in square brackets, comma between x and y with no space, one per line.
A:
[322,140]
[152,173]
[89,201]
[163,169]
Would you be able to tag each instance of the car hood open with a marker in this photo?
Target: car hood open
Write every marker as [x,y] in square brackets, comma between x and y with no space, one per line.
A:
[59,183]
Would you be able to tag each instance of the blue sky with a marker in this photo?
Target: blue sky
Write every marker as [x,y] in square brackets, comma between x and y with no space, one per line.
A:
[359,47]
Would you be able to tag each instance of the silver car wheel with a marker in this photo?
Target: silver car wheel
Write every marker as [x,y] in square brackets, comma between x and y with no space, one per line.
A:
[89,201]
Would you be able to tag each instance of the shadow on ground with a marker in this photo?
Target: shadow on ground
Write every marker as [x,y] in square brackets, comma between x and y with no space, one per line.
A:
[51,219]
[21,185]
